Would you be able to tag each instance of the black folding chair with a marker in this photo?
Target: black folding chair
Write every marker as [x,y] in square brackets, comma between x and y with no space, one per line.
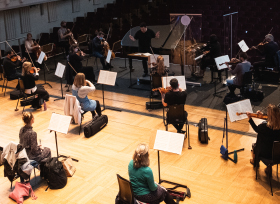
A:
[275,160]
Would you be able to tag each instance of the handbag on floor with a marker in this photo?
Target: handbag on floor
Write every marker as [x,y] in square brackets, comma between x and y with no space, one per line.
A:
[68,166]
[94,126]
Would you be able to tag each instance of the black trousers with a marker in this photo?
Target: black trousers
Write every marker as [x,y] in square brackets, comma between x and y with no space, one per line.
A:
[43,95]
[65,45]
[97,109]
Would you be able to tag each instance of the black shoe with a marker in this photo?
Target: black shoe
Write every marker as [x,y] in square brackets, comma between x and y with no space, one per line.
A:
[181,131]
[145,74]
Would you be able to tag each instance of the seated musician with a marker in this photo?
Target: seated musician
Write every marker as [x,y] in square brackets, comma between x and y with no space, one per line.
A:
[30,47]
[212,50]
[97,48]
[75,59]
[29,76]
[10,65]
[268,132]
[81,88]
[242,67]
[269,50]
[28,139]
[175,96]
[142,179]
[63,37]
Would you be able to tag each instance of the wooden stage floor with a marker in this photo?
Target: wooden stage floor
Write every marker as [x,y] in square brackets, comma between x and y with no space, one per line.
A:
[210,178]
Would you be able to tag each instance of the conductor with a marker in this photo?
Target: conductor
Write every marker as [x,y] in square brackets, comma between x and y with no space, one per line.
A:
[144,37]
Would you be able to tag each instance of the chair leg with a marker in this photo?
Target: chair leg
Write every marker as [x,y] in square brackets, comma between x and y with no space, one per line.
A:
[3,84]
[17,105]
[35,176]
[6,88]
[277,171]
[166,127]
[256,173]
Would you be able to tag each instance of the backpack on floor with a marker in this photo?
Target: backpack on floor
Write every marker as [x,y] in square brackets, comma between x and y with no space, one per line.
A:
[53,172]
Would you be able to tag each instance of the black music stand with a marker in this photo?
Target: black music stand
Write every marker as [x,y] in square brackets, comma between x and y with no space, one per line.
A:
[107,78]
[160,137]
[59,72]
[46,49]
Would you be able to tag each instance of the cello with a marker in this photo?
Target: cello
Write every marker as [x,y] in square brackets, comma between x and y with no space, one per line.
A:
[106,48]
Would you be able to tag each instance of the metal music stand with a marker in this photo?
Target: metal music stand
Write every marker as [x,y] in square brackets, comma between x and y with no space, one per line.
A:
[116,47]
[82,38]
[46,49]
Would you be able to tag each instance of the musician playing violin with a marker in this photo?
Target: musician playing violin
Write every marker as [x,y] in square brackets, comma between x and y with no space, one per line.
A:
[97,45]
[175,96]
[269,50]
[11,63]
[75,59]
[242,66]
[63,36]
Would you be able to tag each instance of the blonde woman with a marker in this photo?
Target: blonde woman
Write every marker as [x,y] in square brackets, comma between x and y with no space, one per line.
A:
[29,76]
[28,139]
[81,88]
[142,179]
[268,132]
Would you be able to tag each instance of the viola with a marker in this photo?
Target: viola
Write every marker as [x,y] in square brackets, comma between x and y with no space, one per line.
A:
[254,115]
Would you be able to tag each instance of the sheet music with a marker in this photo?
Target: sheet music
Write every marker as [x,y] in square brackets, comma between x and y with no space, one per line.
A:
[181,81]
[169,142]
[221,60]
[152,59]
[240,107]
[243,46]
[107,77]
[59,123]
[59,70]
[41,57]
[109,56]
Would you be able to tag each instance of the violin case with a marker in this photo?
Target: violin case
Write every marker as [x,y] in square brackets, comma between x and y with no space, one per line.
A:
[94,126]
[153,105]
[203,131]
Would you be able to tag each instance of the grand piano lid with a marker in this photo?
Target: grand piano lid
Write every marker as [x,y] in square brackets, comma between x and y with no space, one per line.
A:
[169,37]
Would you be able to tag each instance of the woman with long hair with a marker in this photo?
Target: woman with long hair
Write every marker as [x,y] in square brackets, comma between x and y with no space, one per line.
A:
[81,88]
[28,139]
[268,132]
[142,179]
[29,76]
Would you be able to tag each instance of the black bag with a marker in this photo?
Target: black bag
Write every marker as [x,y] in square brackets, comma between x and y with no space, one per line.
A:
[14,95]
[53,172]
[94,126]
[27,102]
[203,131]
[254,95]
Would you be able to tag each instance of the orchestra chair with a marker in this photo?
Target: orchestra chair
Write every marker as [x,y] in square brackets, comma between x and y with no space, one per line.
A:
[22,95]
[275,160]
[213,69]
[176,114]
[125,192]
[6,79]
[247,80]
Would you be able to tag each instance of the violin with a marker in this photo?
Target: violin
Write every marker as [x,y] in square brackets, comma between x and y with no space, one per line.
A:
[259,45]
[254,115]
[15,58]
[162,90]
[233,61]
[33,70]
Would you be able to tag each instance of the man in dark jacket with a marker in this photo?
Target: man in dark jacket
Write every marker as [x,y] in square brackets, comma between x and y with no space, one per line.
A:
[10,67]
[97,45]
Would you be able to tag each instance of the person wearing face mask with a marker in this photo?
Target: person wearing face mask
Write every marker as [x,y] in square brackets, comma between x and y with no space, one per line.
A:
[75,59]
[97,47]
[63,37]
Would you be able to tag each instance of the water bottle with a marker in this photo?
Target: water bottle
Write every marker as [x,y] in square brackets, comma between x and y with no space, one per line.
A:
[138,82]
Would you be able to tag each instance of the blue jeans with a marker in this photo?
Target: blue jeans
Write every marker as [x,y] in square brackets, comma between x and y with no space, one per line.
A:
[229,82]
[101,57]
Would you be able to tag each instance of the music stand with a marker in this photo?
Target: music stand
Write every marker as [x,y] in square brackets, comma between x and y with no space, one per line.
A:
[117,46]
[240,106]
[60,123]
[170,142]
[82,38]
[59,72]
[107,78]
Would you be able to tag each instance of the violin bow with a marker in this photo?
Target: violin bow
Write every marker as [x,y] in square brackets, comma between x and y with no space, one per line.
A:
[11,48]
[72,67]
[29,56]
[108,34]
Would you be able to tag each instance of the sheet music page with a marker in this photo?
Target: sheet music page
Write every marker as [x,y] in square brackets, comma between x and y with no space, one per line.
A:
[41,57]
[162,140]
[107,77]
[240,106]
[169,141]
[59,123]
[181,81]
[221,60]
[243,46]
[146,54]
[109,56]
[59,70]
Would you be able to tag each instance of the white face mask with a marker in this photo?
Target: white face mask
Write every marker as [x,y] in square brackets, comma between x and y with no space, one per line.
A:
[100,38]
[76,50]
